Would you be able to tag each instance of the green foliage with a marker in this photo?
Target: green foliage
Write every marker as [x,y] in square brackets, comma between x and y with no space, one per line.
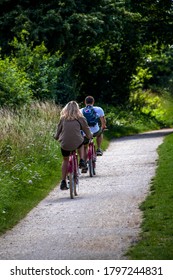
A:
[77,29]
[14,84]
[151,86]
[39,65]
[156,21]
[139,79]
[105,68]
[30,72]
[29,159]
[155,68]
[67,89]
[160,64]
[148,103]
[126,121]
[69,49]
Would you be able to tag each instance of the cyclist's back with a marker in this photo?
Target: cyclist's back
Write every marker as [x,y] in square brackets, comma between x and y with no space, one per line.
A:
[99,116]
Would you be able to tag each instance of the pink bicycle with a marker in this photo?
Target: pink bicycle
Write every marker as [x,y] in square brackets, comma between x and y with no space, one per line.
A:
[91,157]
[73,174]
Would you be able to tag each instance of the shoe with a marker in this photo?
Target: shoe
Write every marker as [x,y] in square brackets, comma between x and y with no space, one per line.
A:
[82,164]
[63,185]
[84,170]
[99,152]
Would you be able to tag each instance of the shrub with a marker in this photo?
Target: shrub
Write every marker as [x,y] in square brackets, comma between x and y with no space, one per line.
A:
[40,66]
[14,84]
[148,103]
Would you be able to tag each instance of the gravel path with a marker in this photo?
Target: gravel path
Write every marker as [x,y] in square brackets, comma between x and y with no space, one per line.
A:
[103,221]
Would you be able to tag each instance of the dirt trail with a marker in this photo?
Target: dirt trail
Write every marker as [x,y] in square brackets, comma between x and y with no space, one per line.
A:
[103,221]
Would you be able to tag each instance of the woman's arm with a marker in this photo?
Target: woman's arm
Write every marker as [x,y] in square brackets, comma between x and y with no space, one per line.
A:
[86,129]
[58,131]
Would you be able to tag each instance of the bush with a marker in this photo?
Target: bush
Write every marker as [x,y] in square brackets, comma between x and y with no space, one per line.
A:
[30,72]
[148,103]
[39,65]
[14,84]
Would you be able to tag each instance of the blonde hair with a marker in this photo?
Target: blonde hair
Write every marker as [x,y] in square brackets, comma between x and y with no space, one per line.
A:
[71,111]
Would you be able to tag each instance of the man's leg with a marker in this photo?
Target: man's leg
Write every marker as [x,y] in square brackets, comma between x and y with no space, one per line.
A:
[86,141]
[85,152]
[81,152]
[99,139]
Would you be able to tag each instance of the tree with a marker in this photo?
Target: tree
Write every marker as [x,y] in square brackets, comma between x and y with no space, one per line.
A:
[157,19]
[99,41]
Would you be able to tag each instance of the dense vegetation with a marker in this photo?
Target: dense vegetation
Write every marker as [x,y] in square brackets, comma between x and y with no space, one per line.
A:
[65,50]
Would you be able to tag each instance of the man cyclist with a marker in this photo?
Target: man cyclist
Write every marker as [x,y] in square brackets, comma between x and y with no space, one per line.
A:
[95,128]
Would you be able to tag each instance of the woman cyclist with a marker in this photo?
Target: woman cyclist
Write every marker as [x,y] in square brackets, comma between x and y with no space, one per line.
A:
[69,135]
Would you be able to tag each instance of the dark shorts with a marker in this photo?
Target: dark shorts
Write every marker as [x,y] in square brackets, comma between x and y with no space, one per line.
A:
[66,153]
[98,133]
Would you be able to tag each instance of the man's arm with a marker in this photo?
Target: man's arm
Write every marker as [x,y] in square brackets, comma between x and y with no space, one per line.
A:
[103,122]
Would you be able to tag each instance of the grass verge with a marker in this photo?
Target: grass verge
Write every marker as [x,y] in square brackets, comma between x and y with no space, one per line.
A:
[29,160]
[156,238]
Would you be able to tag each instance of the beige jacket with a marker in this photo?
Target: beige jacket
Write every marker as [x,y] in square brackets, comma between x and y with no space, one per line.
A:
[69,133]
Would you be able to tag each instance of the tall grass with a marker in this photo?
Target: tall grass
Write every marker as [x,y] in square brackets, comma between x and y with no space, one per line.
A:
[29,159]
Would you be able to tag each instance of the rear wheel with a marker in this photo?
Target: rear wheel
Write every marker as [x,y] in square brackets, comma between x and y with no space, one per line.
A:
[76,184]
[72,184]
[91,168]
[94,168]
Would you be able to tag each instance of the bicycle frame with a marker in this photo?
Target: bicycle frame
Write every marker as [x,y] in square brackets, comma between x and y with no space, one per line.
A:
[73,173]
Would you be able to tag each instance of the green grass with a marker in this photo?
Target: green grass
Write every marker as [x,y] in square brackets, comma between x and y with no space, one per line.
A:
[29,160]
[156,239]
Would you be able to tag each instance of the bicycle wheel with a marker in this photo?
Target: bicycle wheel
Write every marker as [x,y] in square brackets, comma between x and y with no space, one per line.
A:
[94,167]
[76,184]
[91,168]
[72,185]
